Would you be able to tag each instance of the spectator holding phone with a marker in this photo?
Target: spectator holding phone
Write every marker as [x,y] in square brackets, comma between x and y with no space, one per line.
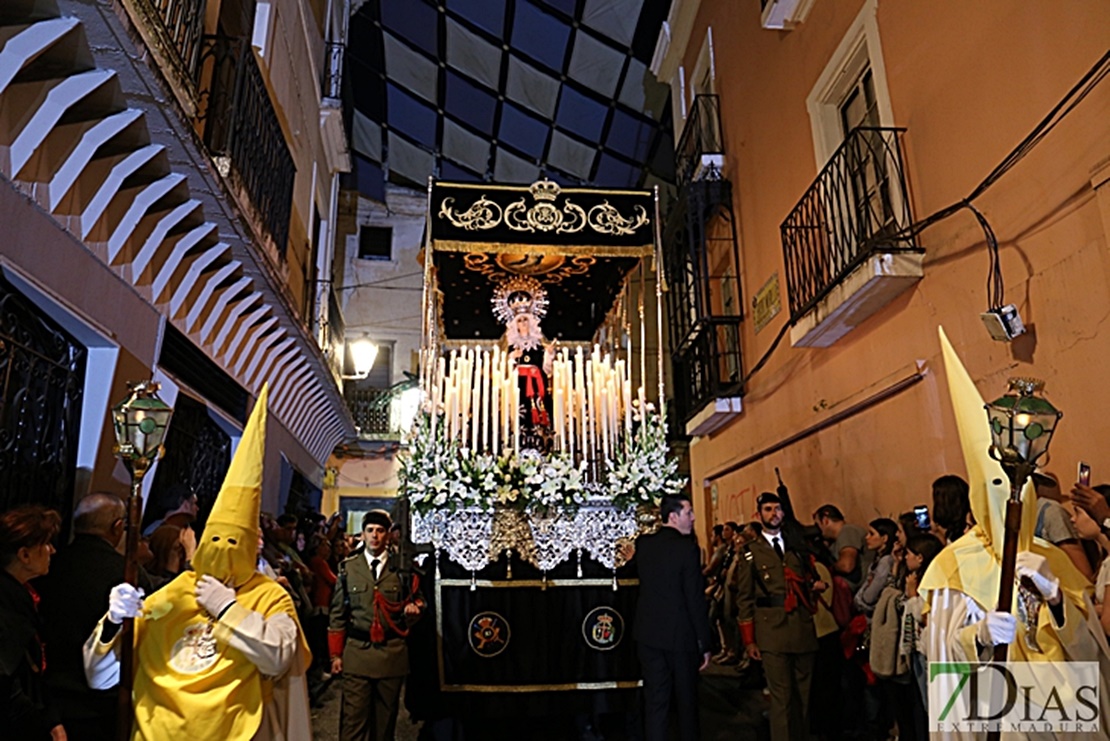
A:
[1089,529]
[1091,500]
[1054,522]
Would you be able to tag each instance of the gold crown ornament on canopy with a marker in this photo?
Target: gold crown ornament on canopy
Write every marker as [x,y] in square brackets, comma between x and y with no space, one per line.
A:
[519,294]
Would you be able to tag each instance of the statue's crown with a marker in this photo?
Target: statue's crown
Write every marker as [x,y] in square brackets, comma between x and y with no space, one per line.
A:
[520,303]
[520,294]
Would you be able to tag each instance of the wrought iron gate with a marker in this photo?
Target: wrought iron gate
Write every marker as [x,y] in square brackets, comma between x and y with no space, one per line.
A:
[42,377]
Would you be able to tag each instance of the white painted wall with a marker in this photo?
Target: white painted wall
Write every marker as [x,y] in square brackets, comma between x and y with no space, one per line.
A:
[389,310]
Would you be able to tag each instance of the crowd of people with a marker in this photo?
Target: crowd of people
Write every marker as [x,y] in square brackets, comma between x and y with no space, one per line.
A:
[56,599]
[836,599]
[784,600]
[224,620]
[219,618]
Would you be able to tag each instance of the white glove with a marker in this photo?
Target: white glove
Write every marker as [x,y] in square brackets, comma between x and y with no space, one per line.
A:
[213,596]
[996,629]
[124,601]
[1036,569]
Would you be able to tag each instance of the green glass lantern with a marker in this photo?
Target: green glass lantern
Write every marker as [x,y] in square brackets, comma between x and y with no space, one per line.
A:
[1022,423]
[140,423]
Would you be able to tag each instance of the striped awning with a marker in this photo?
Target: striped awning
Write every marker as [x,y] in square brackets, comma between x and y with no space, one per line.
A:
[72,140]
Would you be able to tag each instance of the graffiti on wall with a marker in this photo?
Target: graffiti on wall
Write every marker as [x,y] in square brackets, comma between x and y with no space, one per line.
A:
[734,504]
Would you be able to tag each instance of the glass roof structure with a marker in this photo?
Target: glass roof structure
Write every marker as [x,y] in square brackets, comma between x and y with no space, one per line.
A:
[507,91]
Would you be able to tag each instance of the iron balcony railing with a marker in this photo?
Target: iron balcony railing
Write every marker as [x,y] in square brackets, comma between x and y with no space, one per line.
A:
[691,244]
[177,27]
[700,137]
[331,84]
[708,367]
[372,410]
[242,133]
[858,206]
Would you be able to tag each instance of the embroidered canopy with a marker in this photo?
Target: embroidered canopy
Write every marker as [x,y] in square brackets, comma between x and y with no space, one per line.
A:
[579,243]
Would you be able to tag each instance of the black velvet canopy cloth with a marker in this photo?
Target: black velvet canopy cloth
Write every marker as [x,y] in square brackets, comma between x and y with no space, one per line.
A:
[579,243]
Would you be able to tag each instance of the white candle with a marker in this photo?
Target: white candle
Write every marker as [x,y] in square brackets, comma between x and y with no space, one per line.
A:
[515,412]
[485,398]
[437,384]
[604,420]
[506,399]
[476,404]
[495,402]
[556,408]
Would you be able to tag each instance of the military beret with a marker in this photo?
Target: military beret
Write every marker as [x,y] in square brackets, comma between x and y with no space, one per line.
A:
[377,517]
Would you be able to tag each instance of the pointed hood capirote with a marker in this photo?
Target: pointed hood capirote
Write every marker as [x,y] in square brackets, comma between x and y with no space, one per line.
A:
[228,549]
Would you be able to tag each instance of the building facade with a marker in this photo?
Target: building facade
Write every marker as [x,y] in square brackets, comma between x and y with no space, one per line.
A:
[828,157]
[169,189]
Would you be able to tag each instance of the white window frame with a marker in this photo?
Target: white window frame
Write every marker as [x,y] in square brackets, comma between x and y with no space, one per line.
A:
[678,97]
[859,49]
[705,64]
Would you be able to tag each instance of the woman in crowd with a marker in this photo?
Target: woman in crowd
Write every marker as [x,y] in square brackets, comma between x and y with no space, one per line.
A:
[25,548]
[881,538]
[951,508]
[1089,530]
[340,549]
[169,554]
[325,578]
[907,526]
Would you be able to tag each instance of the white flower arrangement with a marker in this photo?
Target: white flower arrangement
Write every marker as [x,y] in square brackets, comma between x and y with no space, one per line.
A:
[440,474]
[646,471]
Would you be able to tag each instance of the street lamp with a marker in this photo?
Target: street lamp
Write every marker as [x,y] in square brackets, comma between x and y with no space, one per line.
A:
[140,423]
[363,354]
[1022,424]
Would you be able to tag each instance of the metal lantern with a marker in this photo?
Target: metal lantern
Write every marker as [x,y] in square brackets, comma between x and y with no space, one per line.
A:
[1022,423]
[140,423]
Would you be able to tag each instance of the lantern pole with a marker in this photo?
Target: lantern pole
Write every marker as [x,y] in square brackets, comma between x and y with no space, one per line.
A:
[140,423]
[1018,444]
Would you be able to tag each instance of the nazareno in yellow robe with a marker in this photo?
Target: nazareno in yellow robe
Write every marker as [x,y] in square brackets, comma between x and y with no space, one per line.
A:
[241,677]
[236,678]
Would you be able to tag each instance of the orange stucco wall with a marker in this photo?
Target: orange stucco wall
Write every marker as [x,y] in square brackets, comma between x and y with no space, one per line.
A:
[968,81]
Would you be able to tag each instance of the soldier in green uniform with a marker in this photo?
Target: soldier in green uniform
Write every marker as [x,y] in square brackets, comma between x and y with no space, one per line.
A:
[775,600]
[375,601]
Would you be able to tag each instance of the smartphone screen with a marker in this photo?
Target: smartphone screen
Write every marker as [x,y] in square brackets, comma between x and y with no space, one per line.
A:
[921,513]
[1084,474]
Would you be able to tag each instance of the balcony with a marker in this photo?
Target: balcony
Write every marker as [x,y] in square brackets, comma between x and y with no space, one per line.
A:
[243,135]
[844,249]
[331,82]
[379,413]
[690,237]
[708,375]
[173,30]
[700,154]
[703,297]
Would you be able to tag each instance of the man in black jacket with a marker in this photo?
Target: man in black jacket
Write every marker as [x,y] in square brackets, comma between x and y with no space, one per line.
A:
[672,625]
[73,597]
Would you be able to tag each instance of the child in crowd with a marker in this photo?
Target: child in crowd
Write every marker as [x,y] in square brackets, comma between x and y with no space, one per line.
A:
[921,549]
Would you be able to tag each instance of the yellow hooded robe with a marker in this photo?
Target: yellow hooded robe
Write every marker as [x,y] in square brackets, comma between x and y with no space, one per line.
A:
[239,677]
[970,568]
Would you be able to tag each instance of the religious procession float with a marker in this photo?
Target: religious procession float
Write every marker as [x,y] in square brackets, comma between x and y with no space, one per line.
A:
[542,443]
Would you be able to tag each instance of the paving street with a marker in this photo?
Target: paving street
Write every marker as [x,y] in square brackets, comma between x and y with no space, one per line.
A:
[730,711]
